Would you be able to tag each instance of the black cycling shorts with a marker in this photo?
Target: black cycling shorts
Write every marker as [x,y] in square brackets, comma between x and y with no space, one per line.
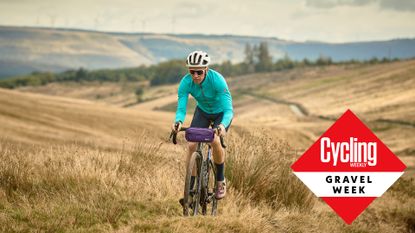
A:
[202,119]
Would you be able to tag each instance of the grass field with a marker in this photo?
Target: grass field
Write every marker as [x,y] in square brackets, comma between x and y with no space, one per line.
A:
[80,165]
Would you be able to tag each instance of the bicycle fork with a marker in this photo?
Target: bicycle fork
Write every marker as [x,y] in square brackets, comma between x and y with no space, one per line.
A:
[208,161]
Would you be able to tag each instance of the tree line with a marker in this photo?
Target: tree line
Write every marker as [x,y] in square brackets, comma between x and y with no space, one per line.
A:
[162,73]
[257,59]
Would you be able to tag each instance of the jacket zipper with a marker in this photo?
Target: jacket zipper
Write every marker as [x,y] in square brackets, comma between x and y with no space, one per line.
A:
[203,94]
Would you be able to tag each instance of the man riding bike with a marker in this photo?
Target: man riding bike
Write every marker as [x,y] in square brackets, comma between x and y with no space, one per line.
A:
[214,104]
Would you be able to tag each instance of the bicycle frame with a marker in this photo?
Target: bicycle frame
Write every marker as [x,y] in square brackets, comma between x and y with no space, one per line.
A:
[203,169]
[203,193]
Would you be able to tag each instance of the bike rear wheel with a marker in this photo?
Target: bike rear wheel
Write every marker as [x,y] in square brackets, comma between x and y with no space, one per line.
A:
[191,196]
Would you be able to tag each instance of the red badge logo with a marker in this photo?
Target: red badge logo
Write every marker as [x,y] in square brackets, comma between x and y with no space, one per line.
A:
[348,167]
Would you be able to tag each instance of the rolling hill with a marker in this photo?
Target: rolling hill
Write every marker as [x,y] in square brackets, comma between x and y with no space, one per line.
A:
[299,104]
[23,50]
[71,162]
[381,95]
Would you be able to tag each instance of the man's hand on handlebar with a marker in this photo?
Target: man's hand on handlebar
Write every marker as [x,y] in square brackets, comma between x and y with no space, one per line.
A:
[176,126]
[220,130]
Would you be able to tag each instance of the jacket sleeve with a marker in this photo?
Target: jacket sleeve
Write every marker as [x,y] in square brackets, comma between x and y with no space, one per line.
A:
[183,94]
[225,99]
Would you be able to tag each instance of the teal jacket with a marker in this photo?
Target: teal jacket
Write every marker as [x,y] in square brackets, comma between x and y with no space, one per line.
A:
[212,96]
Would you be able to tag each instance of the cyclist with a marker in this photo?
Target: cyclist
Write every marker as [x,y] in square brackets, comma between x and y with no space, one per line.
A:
[214,104]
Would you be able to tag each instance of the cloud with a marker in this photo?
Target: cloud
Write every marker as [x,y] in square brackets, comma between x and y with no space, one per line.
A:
[15,1]
[335,3]
[397,5]
[328,20]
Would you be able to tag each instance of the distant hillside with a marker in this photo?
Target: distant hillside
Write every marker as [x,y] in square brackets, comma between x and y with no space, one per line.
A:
[23,50]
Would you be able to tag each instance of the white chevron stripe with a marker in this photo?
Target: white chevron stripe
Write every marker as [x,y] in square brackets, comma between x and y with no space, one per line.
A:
[373,184]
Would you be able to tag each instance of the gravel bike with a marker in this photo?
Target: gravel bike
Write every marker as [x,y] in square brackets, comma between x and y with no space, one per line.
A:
[200,196]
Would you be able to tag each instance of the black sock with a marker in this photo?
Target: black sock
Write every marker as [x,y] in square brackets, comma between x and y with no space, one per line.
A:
[192,181]
[220,172]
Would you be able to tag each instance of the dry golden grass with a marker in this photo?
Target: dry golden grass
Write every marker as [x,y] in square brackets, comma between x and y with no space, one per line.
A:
[71,187]
[70,165]
[381,95]
[35,118]
[258,166]
[116,94]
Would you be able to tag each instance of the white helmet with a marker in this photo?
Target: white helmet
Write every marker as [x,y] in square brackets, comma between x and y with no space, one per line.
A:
[198,59]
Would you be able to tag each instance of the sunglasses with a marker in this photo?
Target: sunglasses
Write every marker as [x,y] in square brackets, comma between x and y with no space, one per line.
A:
[198,72]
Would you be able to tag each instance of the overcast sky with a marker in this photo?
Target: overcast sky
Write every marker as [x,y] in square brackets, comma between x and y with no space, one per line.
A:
[300,20]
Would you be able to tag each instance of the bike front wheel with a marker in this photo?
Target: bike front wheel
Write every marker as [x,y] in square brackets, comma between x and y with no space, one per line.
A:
[191,196]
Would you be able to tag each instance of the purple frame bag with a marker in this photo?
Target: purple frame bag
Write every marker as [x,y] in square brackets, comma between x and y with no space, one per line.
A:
[194,134]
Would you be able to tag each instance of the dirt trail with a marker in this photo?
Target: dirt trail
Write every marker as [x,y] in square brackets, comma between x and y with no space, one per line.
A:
[298,109]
